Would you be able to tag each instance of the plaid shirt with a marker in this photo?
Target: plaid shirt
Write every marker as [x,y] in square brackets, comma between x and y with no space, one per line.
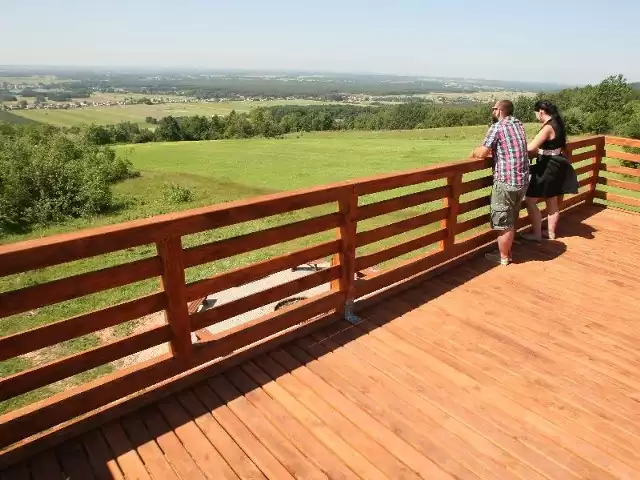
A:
[508,143]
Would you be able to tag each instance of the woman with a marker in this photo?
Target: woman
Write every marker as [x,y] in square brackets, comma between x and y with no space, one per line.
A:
[551,172]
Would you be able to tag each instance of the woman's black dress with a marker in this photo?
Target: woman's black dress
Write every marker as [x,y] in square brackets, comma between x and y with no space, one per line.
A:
[552,174]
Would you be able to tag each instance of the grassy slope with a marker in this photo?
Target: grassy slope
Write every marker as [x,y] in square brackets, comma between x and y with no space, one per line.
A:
[221,171]
[137,113]
[10,117]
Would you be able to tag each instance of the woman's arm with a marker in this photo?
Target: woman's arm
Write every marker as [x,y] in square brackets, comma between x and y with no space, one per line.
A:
[543,135]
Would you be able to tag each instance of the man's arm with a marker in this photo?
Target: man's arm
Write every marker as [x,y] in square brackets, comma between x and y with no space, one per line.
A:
[484,150]
[480,152]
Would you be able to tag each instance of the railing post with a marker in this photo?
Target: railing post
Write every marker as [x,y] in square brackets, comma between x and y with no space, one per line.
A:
[452,202]
[174,285]
[600,154]
[346,258]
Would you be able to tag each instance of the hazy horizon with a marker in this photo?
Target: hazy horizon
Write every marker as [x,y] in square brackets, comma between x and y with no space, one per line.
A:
[575,42]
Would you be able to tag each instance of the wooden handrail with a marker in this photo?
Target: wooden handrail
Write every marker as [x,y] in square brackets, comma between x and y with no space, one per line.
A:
[622,142]
[166,232]
[615,187]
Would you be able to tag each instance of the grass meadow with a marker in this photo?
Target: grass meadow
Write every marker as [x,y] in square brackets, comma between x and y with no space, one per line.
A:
[138,113]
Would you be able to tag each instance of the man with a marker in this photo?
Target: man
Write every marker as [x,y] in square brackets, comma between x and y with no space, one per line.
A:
[506,142]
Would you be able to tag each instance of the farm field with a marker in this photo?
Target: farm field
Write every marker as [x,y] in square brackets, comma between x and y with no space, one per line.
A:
[220,171]
[138,113]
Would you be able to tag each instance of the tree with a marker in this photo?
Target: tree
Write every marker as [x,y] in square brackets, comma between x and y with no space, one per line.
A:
[612,94]
[98,135]
[168,130]
[237,126]
[523,108]
[47,175]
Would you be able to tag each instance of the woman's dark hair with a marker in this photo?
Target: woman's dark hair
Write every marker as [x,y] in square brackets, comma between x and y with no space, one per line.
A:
[551,110]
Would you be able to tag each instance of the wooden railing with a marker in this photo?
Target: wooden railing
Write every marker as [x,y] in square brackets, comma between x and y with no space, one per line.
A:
[620,181]
[453,203]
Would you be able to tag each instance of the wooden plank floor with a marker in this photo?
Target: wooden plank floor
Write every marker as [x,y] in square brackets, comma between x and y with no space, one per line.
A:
[527,371]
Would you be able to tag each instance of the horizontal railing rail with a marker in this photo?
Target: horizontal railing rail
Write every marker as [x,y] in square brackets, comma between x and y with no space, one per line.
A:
[446,214]
[618,179]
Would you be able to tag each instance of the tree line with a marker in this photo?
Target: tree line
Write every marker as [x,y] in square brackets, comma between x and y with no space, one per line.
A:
[281,120]
[612,106]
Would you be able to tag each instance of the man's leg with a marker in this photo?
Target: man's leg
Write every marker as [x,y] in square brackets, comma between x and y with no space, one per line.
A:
[502,211]
[505,243]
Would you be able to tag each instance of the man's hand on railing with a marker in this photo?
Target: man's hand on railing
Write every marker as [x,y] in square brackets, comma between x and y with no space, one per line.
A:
[480,152]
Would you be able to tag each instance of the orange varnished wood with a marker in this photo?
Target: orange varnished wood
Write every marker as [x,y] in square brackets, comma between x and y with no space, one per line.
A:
[633,172]
[250,302]
[424,241]
[477,184]
[167,232]
[622,142]
[32,254]
[629,157]
[579,157]
[29,298]
[413,177]
[375,235]
[444,380]
[585,181]
[481,220]
[345,259]
[257,240]
[452,204]
[60,369]
[611,182]
[585,142]
[47,335]
[592,180]
[398,203]
[585,169]
[471,205]
[612,197]
[174,285]
[257,271]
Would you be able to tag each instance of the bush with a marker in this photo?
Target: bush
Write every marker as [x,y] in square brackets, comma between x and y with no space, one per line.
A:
[631,130]
[174,193]
[47,177]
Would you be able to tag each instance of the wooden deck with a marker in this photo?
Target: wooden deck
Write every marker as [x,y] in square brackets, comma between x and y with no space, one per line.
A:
[525,371]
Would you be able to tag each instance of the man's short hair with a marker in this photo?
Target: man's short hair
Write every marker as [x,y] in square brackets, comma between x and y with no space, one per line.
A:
[506,106]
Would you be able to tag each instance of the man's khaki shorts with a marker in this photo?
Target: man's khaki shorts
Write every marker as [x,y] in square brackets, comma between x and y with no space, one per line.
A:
[505,205]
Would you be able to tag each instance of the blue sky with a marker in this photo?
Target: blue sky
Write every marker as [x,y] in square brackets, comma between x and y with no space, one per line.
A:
[543,40]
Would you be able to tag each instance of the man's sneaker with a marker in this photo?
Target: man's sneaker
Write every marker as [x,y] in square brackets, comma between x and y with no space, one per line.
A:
[495,257]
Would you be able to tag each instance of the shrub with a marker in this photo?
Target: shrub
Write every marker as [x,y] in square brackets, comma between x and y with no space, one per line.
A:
[47,176]
[174,193]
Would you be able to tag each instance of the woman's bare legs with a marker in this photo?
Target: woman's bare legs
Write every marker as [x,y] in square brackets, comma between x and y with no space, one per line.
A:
[553,216]
[535,216]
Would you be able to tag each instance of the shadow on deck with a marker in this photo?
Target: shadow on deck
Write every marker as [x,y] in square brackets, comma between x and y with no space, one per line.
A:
[525,371]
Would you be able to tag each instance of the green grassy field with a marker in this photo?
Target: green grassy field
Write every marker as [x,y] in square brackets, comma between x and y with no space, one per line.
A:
[137,113]
[221,171]
[9,117]
[32,80]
